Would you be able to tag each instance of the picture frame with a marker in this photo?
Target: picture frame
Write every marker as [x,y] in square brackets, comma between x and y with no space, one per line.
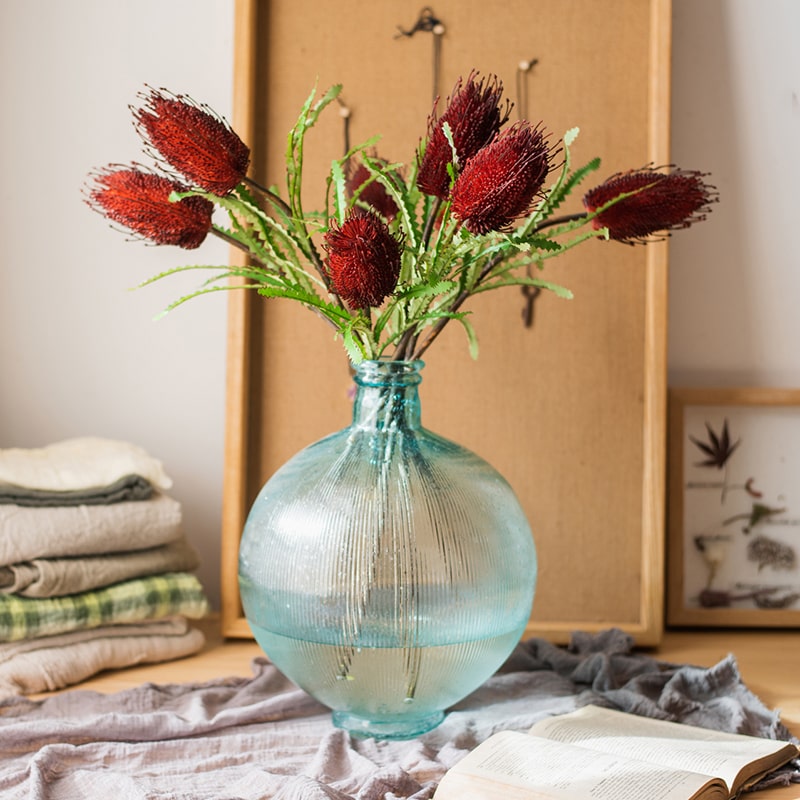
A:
[734,507]
[576,402]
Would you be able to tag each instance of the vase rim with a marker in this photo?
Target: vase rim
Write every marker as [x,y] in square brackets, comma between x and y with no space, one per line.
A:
[383,371]
[417,363]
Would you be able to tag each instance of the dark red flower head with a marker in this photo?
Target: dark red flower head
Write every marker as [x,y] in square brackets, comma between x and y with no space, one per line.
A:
[500,182]
[475,117]
[663,201]
[139,200]
[373,194]
[363,259]
[193,140]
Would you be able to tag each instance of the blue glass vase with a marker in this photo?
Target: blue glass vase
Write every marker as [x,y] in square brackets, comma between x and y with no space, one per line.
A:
[384,569]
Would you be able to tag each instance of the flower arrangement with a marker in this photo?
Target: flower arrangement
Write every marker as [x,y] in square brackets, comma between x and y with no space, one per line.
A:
[398,249]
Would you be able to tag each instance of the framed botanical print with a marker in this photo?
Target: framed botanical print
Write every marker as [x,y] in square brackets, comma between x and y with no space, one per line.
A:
[734,507]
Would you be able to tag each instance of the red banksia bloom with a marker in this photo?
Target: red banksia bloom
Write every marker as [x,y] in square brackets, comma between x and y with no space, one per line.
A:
[500,182]
[374,194]
[139,200]
[363,259]
[194,141]
[474,115]
[664,201]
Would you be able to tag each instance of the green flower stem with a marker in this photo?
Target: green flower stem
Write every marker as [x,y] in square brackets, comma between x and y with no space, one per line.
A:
[226,237]
[273,197]
[564,218]
[405,346]
[429,223]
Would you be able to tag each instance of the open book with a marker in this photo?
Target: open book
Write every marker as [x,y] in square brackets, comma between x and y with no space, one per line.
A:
[598,754]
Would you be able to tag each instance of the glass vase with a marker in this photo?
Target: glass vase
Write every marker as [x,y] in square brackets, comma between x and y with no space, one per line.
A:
[384,569]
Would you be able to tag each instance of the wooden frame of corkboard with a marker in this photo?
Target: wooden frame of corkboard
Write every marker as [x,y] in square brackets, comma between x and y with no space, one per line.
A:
[571,410]
[734,514]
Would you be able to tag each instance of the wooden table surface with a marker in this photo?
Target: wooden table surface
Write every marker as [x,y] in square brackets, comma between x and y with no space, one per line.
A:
[769,662]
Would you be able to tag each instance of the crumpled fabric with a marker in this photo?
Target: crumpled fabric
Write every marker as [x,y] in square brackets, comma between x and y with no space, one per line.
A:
[262,737]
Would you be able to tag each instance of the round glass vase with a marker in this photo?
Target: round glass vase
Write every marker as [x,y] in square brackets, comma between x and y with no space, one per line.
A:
[384,569]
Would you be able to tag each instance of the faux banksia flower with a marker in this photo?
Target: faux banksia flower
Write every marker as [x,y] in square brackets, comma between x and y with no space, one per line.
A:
[193,140]
[662,202]
[500,182]
[363,259]
[393,255]
[139,200]
[475,117]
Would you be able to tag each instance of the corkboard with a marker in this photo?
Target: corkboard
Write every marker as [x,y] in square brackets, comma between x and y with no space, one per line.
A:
[571,410]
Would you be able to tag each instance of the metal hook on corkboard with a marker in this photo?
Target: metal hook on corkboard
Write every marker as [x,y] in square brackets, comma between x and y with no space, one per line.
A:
[523,70]
[428,22]
[344,113]
[530,293]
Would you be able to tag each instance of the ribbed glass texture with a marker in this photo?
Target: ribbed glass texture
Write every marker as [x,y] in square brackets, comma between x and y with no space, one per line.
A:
[384,569]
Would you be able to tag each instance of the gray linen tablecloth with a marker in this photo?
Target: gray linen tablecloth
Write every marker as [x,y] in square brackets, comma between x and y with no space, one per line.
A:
[262,737]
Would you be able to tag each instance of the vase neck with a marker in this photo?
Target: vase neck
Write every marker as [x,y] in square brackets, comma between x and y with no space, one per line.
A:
[386,395]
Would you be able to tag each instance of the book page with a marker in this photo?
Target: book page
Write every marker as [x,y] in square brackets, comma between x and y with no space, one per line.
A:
[516,766]
[668,744]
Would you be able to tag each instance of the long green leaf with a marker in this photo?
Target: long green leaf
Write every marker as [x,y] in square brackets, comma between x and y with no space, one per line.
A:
[181,300]
[524,280]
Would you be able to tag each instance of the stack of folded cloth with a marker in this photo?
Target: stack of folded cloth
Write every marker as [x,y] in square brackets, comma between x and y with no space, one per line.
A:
[95,570]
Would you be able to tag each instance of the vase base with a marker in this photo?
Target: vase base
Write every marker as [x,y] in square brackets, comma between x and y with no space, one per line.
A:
[397,728]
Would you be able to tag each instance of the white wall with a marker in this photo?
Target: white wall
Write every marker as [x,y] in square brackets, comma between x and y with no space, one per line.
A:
[735,279]
[80,355]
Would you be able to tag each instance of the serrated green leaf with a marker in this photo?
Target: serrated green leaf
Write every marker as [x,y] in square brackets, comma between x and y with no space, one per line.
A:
[535,243]
[353,346]
[326,99]
[425,290]
[332,312]
[565,187]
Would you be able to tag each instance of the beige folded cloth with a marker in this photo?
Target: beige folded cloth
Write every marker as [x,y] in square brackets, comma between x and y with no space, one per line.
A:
[52,662]
[28,533]
[79,463]
[56,577]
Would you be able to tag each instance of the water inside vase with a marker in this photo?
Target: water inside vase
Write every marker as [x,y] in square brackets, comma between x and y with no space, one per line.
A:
[380,679]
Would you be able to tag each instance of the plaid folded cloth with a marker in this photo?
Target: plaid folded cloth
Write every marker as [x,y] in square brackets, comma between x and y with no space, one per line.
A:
[149,598]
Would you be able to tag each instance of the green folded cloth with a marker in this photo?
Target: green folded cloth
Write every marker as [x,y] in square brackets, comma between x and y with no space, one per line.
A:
[126,488]
[149,598]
